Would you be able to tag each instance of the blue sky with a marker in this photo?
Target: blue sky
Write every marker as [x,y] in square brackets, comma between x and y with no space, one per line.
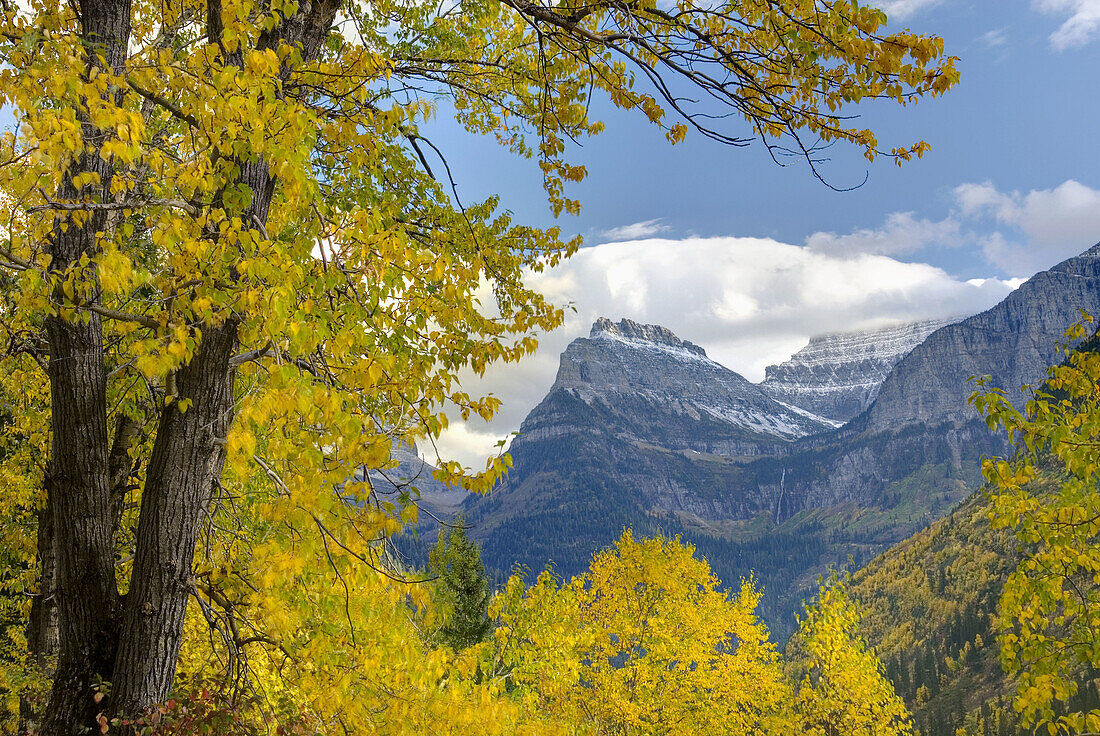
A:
[1022,118]
[750,259]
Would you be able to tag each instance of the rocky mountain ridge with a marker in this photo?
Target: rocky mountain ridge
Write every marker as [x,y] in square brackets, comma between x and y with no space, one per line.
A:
[1014,342]
[838,375]
[659,389]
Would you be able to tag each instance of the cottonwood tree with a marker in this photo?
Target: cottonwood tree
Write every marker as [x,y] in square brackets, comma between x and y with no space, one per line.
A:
[648,642]
[841,689]
[231,253]
[645,642]
[1046,492]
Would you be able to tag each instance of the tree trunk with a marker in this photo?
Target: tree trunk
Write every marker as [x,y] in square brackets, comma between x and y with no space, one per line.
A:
[42,632]
[137,649]
[79,488]
[87,597]
[186,460]
[185,464]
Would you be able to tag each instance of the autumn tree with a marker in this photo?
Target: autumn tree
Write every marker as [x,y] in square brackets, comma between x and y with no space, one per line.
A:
[645,642]
[841,688]
[235,265]
[1046,492]
[648,642]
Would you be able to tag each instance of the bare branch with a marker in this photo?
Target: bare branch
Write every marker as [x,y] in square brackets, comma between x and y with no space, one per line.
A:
[116,206]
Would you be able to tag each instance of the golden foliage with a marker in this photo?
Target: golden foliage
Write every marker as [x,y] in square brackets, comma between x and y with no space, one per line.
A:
[646,642]
[1049,612]
[361,296]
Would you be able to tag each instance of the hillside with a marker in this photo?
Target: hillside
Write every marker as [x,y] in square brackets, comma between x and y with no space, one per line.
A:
[929,605]
[930,608]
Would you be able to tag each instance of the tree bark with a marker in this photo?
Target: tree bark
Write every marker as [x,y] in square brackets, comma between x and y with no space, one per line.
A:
[79,490]
[135,648]
[42,631]
[184,466]
[187,459]
[79,487]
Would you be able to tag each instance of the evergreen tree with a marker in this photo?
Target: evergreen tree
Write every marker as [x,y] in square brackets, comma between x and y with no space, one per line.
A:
[462,587]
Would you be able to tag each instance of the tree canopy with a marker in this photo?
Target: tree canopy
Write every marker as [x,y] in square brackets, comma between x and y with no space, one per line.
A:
[644,643]
[235,273]
[843,690]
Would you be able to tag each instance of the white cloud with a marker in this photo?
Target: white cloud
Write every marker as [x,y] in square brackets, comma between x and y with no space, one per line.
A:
[1017,233]
[902,233]
[973,199]
[902,9]
[636,230]
[1044,226]
[750,302]
[993,39]
[1082,26]
[753,302]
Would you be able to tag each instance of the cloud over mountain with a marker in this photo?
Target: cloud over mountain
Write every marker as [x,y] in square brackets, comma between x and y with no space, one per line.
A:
[1031,231]
[902,233]
[1017,233]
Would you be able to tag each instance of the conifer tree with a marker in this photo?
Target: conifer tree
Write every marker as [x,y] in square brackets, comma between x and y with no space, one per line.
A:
[462,588]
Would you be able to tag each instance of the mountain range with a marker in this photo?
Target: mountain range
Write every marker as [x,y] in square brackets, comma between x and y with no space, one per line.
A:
[838,376]
[855,443]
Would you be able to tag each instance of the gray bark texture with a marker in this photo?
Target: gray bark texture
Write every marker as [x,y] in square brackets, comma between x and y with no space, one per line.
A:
[185,464]
[42,631]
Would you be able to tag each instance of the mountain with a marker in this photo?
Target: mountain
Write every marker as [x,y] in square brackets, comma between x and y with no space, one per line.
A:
[655,388]
[413,475]
[1014,342]
[838,375]
[641,430]
[929,608]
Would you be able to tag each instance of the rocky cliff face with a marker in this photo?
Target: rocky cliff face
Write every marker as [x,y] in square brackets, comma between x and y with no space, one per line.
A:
[838,376]
[1013,342]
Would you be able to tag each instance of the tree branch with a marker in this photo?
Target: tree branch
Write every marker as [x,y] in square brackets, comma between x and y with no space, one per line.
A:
[115,206]
[140,319]
[168,105]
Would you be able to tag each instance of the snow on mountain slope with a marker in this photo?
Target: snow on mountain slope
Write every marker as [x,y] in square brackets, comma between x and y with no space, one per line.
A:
[667,391]
[838,375]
